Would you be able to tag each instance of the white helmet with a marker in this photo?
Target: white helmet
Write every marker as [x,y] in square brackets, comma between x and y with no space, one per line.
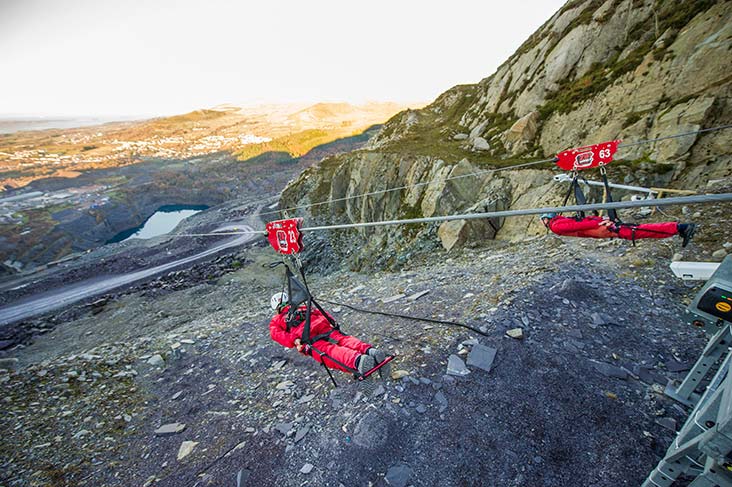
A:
[277,300]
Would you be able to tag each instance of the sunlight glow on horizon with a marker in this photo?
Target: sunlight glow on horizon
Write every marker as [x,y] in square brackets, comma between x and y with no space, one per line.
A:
[97,58]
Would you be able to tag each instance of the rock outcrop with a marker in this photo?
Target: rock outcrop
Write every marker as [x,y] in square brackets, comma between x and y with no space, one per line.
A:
[597,70]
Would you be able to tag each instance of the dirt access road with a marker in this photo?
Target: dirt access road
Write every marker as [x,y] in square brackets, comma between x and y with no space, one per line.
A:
[55,299]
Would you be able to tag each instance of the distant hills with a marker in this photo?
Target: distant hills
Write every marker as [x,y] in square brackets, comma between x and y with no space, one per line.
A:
[244,131]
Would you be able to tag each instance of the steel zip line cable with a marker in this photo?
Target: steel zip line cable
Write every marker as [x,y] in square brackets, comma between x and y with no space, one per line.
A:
[406,186]
[676,136]
[488,171]
[618,205]
[508,213]
[681,200]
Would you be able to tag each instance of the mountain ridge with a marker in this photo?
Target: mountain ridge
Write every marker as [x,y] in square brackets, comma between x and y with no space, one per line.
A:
[595,71]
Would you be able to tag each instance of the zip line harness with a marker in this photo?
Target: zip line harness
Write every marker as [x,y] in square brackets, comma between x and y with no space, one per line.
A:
[286,238]
[581,158]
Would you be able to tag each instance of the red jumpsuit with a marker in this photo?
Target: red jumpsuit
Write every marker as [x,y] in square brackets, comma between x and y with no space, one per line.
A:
[342,348]
[590,227]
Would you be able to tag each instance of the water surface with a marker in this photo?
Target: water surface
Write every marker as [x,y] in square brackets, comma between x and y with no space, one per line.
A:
[161,222]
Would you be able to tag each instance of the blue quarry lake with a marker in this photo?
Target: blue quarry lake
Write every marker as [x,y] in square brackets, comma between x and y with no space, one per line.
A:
[163,221]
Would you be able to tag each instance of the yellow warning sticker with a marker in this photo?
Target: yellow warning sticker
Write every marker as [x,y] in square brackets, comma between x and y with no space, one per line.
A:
[723,307]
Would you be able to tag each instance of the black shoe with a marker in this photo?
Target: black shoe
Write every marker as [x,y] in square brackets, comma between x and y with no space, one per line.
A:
[365,363]
[686,231]
[378,355]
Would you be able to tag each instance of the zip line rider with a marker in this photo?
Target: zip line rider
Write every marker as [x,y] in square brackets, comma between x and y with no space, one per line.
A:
[337,350]
[599,227]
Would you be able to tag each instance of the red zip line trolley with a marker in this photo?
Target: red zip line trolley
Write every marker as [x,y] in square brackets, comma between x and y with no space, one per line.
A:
[581,158]
[285,237]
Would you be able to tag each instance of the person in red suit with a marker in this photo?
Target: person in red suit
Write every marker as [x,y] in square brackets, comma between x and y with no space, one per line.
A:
[339,350]
[599,227]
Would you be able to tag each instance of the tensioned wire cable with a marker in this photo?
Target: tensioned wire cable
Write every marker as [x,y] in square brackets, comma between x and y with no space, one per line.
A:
[407,186]
[502,214]
[486,171]
[618,205]
[681,200]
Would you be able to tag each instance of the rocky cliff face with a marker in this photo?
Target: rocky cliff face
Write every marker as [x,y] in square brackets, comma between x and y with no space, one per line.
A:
[595,71]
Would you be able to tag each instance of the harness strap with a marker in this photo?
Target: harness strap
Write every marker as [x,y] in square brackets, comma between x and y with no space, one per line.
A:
[608,195]
[569,191]
[579,196]
[323,355]
[322,336]
[634,226]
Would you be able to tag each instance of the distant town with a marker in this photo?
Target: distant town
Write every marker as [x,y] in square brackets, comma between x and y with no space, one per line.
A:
[120,152]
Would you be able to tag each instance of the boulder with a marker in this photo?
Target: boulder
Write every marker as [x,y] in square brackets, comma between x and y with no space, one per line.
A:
[478,130]
[684,117]
[517,138]
[479,143]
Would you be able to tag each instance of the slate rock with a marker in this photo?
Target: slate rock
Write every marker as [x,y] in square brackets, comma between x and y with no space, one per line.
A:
[600,319]
[186,448]
[242,476]
[301,433]
[482,357]
[285,384]
[284,428]
[610,370]
[648,376]
[418,295]
[170,429]
[574,290]
[575,333]
[456,366]
[441,401]
[156,360]
[371,431]
[398,475]
[307,468]
[305,398]
[8,363]
[516,333]
[669,423]
[421,409]
[674,366]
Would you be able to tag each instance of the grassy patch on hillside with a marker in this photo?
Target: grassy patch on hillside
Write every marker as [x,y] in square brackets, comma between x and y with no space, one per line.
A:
[296,144]
[670,15]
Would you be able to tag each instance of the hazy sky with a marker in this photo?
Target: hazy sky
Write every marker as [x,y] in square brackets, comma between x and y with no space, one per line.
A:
[102,57]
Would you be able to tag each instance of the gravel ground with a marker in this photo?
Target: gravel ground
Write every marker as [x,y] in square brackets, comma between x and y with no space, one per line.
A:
[576,401]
